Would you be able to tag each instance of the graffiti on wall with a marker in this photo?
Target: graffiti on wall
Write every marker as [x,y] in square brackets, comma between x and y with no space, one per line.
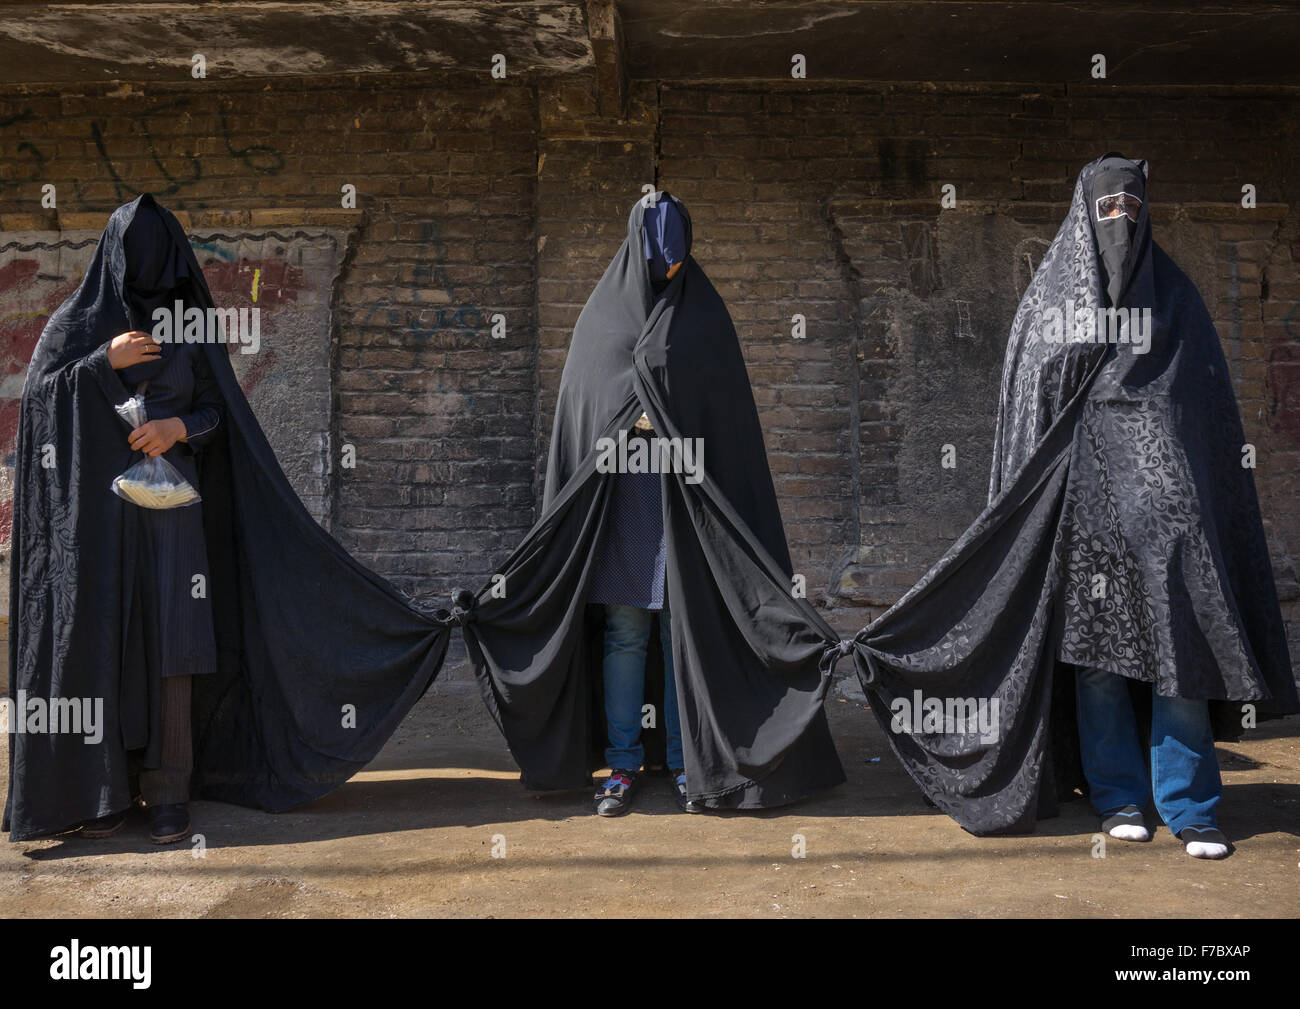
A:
[289,278]
[162,168]
[429,303]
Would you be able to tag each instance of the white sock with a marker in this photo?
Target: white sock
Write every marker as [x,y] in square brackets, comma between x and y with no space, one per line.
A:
[1130,832]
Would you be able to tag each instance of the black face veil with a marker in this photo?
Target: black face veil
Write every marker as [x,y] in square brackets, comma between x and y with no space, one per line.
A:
[1117,193]
[156,273]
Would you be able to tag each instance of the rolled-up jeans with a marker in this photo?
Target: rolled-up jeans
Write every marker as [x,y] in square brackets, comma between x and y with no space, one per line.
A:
[627,632]
[1184,778]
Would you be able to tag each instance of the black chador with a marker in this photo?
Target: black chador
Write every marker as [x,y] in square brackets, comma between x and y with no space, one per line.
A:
[305,661]
[748,654]
[1122,534]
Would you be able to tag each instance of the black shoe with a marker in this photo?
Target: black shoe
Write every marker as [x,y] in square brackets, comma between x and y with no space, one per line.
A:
[169,823]
[1129,822]
[615,795]
[104,826]
[1205,842]
[686,805]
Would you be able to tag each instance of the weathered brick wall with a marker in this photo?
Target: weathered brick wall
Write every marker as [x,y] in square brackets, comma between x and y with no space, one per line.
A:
[757,197]
[827,203]
[480,198]
[439,414]
[589,173]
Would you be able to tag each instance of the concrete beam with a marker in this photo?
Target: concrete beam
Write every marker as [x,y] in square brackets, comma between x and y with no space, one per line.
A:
[975,41]
[605,29]
[156,41]
[972,42]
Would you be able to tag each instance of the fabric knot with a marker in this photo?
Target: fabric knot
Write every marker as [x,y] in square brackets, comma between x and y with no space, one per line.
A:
[463,605]
[831,656]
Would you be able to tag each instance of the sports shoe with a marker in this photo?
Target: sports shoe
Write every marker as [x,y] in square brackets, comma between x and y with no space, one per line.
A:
[685,804]
[615,795]
[1126,824]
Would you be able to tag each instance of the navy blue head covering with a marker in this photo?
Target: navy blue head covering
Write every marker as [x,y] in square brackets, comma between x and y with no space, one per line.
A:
[665,240]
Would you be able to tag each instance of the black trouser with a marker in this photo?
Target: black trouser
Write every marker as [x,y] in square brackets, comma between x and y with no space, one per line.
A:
[170,783]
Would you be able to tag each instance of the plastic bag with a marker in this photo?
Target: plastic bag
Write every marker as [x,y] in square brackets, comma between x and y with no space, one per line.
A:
[151,483]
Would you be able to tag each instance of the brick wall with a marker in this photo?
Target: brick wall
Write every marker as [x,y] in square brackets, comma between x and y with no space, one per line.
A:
[827,203]
[440,415]
[477,199]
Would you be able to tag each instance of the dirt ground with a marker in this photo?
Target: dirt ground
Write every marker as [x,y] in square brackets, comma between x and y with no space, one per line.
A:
[414,835]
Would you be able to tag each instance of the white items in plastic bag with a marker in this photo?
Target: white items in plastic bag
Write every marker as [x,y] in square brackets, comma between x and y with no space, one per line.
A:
[151,483]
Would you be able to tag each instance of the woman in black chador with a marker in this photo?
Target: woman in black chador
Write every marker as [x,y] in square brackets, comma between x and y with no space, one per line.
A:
[628,582]
[171,635]
[226,648]
[1114,605]
[558,639]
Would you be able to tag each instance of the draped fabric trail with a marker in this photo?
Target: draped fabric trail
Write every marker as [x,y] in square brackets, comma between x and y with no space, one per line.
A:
[1105,462]
[319,658]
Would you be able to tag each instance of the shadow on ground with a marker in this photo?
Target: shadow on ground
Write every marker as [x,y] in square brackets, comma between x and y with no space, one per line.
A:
[438,824]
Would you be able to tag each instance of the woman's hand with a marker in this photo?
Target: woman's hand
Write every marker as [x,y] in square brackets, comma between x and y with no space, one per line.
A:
[132,347]
[155,437]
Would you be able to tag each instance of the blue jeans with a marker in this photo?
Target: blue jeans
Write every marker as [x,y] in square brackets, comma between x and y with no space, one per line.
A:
[627,632]
[1184,769]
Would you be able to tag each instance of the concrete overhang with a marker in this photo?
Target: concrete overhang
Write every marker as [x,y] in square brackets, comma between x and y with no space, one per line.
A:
[1158,42]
